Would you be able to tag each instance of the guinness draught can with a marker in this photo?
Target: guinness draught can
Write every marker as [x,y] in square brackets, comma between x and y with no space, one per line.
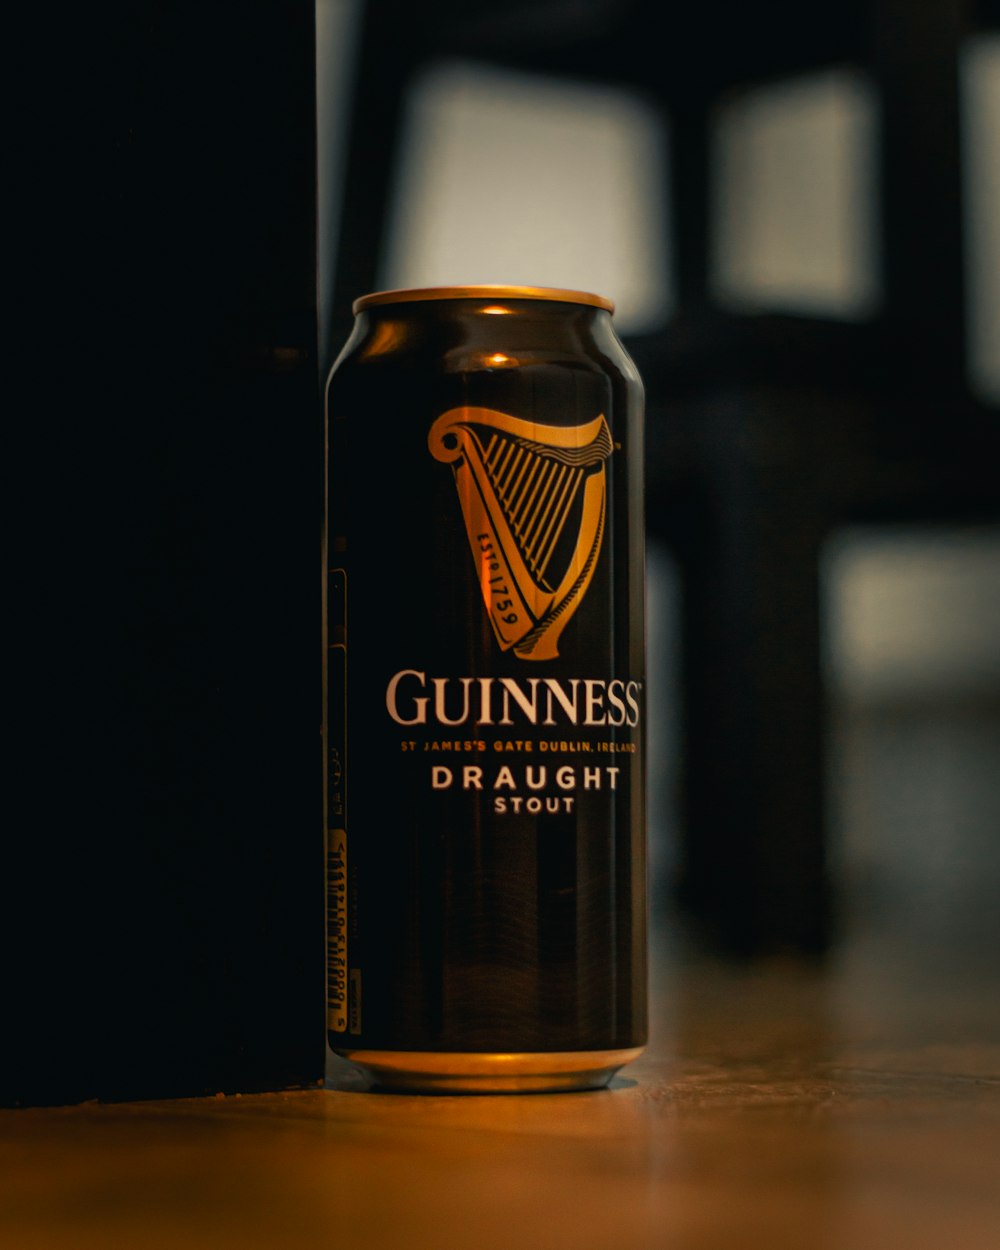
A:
[485,708]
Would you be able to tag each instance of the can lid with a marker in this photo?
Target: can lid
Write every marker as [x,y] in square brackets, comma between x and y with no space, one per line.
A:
[486,291]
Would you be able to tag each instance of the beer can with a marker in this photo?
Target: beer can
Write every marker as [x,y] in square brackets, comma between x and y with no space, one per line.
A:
[484,672]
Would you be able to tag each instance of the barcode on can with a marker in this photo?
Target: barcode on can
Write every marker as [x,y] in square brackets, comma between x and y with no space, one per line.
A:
[336,930]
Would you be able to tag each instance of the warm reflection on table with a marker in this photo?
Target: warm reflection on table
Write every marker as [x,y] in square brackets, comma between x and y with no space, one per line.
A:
[850,1107]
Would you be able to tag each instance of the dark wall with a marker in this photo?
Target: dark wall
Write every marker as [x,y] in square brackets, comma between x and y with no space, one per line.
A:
[166,853]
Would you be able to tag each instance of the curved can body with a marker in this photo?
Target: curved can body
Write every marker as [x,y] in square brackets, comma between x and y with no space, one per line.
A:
[485,692]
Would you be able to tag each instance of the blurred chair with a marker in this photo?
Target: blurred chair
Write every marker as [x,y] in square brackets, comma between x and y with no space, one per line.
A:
[766,430]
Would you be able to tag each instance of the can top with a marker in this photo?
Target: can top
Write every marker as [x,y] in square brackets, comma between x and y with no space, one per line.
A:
[486,291]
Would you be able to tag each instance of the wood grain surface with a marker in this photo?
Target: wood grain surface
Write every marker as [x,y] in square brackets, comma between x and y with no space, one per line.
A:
[834,1108]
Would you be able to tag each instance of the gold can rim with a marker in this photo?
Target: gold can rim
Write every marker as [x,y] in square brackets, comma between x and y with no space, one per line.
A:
[472,1072]
[483,291]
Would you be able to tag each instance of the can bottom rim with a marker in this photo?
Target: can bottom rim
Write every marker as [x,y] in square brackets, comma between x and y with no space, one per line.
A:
[468,1072]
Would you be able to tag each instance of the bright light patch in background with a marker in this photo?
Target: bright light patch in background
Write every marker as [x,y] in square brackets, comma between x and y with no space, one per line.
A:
[794,202]
[980,70]
[913,633]
[913,614]
[513,179]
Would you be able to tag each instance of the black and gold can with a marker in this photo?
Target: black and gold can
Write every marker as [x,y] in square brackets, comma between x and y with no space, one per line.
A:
[485,692]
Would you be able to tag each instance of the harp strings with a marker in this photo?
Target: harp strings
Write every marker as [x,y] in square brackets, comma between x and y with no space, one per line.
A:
[536,491]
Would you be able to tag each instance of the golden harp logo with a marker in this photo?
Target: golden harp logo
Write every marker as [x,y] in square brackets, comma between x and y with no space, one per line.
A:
[534,499]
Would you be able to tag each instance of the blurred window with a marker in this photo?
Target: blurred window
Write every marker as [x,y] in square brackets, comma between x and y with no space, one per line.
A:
[913,614]
[524,180]
[794,203]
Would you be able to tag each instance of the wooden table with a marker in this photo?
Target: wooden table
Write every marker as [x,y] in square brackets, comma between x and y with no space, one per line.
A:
[842,1108]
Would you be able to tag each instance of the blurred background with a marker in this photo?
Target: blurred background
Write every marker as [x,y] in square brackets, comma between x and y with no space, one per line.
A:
[797,212]
[798,216]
